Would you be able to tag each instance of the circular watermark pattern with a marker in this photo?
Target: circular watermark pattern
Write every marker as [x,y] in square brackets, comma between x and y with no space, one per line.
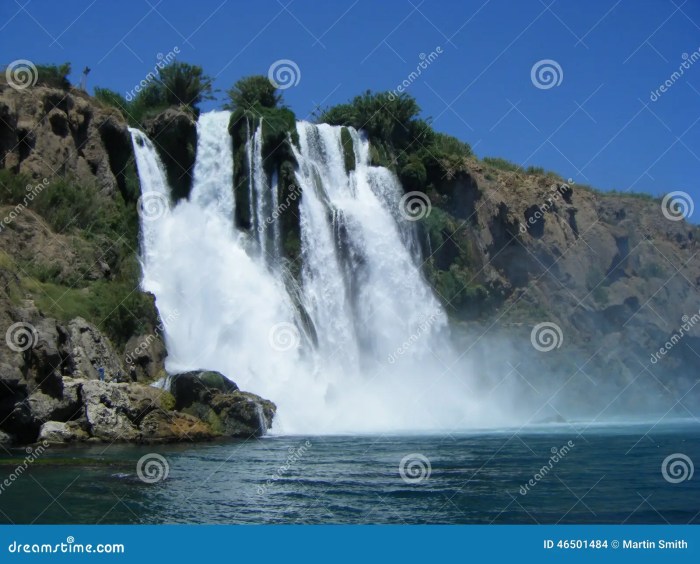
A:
[284,336]
[152,468]
[284,73]
[677,206]
[415,468]
[546,74]
[152,206]
[414,206]
[21,74]
[21,336]
[677,468]
[546,336]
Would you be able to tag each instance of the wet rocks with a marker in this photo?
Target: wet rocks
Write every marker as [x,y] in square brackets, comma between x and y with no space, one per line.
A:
[213,398]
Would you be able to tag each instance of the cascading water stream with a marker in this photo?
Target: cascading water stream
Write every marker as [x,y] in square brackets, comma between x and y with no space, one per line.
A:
[214,164]
[155,193]
[379,357]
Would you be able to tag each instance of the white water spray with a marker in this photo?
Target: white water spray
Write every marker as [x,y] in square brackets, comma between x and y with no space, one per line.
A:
[380,358]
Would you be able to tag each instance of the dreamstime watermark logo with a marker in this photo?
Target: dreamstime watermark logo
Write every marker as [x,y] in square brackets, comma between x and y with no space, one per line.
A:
[296,453]
[152,206]
[683,330]
[163,61]
[546,336]
[69,546]
[677,206]
[414,206]
[688,61]
[414,468]
[292,196]
[558,191]
[557,455]
[677,468]
[32,453]
[152,468]
[143,345]
[546,74]
[423,327]
[424,63]
[284,337]
[31,193]
[21,74]
[21,336]
[284,73]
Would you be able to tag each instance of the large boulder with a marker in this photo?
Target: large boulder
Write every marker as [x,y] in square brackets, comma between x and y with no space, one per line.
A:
[198,386]
[62,406]
[216,400]
[167,426]
[145,357]
[58,432]
[119,412]
[115,411]
[242,414]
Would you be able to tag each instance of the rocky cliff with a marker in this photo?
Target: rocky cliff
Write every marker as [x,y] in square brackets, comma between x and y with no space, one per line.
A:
[613,274]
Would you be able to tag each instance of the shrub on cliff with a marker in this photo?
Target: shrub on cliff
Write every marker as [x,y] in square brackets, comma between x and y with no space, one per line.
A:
[184,84]
[400,139]
[179,84]
[112,99]
[254,99]
[252,91]
[386,118]
[55,76]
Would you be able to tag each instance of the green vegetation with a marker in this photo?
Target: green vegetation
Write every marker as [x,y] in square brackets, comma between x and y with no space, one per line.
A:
[619,193]
[401,140]
[68,207]
[182,84]
[55,76]
[504,165]
[348,149]
[391,120]
[254,100]
[97,228]
[179,84]
[252,92]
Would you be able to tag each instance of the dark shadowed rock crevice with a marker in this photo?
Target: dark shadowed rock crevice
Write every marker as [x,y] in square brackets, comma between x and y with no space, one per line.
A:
[174,133]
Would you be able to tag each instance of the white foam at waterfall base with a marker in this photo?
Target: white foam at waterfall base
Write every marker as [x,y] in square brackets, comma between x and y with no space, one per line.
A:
[381,362]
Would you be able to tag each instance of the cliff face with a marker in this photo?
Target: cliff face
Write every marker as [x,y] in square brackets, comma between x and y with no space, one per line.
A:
[46,132]
[616,276]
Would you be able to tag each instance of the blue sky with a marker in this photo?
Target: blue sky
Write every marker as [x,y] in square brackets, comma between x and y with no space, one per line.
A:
[598,126]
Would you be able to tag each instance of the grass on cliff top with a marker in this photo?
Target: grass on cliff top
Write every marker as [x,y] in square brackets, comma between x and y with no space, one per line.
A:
[119,309]
[497,166]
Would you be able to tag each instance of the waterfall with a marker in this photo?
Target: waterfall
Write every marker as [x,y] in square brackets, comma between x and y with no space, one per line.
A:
[373,268]
[379,332]
[155,193]
[214,164]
